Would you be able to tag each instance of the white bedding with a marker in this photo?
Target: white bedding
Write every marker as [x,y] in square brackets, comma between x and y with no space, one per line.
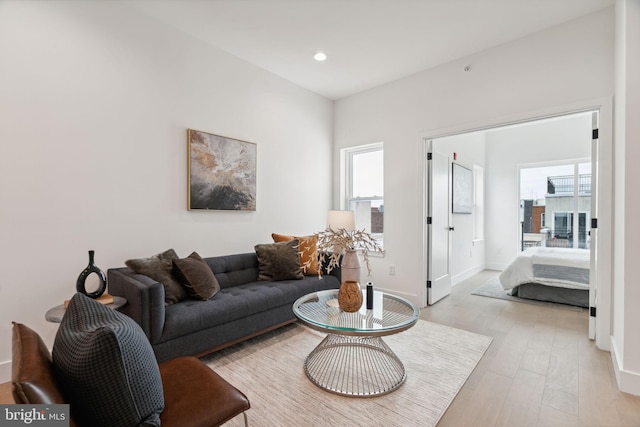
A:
[560,267]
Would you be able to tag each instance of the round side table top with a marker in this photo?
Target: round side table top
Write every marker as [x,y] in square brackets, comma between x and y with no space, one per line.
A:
[56,313]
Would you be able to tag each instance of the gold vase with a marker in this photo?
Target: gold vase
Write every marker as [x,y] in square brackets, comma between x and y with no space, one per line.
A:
[350,296]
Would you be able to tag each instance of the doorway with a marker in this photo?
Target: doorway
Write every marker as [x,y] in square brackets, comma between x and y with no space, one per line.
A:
[502,242]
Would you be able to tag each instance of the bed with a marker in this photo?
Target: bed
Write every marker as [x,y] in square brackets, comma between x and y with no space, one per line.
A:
[550,274]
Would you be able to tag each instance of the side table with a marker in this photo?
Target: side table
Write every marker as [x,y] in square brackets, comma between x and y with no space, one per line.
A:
[353,360]
[56,313]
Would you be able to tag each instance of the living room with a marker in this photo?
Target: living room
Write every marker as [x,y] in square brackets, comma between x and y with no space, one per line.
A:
[97,98]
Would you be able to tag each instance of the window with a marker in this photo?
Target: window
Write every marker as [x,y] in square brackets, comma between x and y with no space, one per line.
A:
[560,195]
[364,187]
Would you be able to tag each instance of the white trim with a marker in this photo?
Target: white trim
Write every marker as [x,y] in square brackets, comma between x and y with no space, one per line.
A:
[496,267]
[459,278]
[346,175]
[604,242]
[408,296]
[422,291]
[347,163]
[628,382]
[518,118]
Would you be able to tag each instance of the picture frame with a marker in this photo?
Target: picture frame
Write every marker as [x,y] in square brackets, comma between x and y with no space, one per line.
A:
[462,189]
[221,172]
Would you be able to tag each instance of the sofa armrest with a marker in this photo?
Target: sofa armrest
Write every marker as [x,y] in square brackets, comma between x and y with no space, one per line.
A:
[145,299]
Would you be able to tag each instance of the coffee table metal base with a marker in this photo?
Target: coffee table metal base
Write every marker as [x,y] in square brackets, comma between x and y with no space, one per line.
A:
[355,366]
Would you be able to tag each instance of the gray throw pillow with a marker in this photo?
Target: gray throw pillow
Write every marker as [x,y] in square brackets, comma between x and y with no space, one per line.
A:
[160,268]
[196,276]
[106,367]
[279,261]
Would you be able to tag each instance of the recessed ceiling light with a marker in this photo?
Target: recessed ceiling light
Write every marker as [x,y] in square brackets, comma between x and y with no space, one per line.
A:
[320,56]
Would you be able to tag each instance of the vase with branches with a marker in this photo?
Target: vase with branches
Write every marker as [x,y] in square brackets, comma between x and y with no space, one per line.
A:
[333,244]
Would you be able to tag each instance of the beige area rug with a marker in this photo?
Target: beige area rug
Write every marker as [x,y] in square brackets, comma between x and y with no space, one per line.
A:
[269,370]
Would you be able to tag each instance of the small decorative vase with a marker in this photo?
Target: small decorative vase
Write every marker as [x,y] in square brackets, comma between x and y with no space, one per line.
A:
[350,296]
[82,278]
[350,266]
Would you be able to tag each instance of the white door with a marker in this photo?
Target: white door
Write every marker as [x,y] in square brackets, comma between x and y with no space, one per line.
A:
[438,240]
[593,231]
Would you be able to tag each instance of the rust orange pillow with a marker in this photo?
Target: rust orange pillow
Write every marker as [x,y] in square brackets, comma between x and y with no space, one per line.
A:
[308,251]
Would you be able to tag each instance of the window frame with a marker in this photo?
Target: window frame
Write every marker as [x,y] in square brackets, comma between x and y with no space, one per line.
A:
[348,198]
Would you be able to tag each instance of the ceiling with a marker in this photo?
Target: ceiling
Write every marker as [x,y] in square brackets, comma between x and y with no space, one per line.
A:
[368,42]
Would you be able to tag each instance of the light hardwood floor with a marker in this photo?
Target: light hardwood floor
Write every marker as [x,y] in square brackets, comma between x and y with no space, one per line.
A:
[540,370]
[5,393]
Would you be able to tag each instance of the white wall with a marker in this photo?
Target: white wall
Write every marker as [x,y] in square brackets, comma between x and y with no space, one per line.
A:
[625,345]
[560,66]
[95,100]
[543,141]
[467,254]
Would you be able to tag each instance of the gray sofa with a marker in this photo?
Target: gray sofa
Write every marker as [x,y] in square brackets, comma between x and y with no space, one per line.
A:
[243,308]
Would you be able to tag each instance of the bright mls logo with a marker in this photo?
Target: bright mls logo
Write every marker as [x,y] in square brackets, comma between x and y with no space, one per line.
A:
[37,415]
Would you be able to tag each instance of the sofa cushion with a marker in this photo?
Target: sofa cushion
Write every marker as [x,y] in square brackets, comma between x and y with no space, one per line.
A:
[197,278]
[232,270]
[237,302]
[160,268]
[308,251]
[106,367]
[279,261]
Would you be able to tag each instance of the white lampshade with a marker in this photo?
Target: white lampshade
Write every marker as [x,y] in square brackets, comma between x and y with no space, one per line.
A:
[337,220]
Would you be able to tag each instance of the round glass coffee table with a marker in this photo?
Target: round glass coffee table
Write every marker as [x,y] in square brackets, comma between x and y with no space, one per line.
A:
[353,360]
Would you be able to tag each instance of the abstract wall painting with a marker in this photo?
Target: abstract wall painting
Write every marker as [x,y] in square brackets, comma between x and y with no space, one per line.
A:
[222,172]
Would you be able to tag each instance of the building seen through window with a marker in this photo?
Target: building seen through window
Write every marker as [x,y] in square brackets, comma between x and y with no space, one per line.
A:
[555,205]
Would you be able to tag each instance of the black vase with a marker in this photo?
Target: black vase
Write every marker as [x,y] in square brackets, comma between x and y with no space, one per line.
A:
[91,268]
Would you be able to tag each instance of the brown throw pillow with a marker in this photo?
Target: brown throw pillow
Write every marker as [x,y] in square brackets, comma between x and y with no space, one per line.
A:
[197,278]
[308,251]
[279,261]
[160,268]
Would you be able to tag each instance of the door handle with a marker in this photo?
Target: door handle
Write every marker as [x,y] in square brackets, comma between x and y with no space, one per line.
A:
[451,228]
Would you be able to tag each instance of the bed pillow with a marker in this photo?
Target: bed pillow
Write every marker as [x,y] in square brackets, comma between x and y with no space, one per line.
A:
[279,261]
[160,268]
[308,251]
[196,276]
[106,367]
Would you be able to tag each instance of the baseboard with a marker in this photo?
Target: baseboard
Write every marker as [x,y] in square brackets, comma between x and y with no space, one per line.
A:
[411,297]
[5,372]
[628,382]
[461,277]
[496,266]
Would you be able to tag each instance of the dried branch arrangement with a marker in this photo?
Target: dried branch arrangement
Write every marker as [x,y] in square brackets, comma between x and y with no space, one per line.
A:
[332,244]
